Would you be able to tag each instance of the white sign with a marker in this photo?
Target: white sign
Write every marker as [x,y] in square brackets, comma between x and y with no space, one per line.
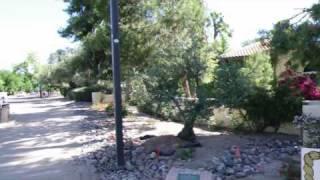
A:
[310,164]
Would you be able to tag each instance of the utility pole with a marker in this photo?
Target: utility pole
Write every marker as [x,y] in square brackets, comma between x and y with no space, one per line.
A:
[114,17]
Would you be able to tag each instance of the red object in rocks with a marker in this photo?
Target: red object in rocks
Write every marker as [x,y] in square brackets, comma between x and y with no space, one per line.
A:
[237,152]
[157,151]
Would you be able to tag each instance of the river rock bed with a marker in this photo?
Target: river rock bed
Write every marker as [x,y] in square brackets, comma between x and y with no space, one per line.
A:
[252,158]
[139,164]
[234,164]
[238,161]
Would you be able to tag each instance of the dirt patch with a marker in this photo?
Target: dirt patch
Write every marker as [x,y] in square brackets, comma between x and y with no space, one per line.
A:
[167,143]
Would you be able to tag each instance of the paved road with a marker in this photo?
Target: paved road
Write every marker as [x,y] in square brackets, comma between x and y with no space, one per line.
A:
[41,140]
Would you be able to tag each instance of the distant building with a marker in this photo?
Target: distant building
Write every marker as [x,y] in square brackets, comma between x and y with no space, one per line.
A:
[246,51]
[258,47]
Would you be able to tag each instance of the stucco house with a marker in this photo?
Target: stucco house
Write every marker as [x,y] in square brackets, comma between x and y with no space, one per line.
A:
[257,47]
[242,53]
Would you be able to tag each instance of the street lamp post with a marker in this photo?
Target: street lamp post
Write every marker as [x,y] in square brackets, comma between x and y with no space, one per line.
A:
[114,17]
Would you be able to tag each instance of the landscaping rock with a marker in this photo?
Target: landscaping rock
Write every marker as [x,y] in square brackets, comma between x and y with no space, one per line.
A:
[153,155]
[167,152]
[240,175]
[129,166]
[253,157]
[229,171]
[150,157]
[221,168]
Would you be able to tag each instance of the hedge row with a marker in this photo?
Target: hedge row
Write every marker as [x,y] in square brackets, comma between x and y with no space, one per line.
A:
[84,93]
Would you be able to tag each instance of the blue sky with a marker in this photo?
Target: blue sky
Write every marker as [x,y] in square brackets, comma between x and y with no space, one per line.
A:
[247,17]
[32,25]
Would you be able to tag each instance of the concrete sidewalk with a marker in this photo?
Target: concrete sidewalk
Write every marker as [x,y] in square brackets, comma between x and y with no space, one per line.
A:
[41,141]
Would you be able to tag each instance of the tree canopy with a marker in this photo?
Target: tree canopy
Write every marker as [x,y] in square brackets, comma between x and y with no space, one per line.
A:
[165,44]
[298,36]
[23,77]
[144,25]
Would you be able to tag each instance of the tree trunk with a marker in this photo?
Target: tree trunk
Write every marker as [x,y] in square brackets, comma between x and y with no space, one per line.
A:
[186,86]
[40,91]
[187,132]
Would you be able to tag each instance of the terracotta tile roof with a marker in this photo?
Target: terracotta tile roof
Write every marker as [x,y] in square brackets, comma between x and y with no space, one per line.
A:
[247,50]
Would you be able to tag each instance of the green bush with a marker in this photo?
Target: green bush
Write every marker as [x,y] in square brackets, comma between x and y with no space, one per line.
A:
[286,104]
[185,154]
[236,80]
[110,110]
[231,87]
[258,110]
[64,91]
[138,94]
[271,108]
[140,97]
[247,86]
[163,110]
[84,93]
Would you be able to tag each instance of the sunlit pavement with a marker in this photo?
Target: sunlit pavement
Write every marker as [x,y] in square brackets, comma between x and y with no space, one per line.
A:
[41,140]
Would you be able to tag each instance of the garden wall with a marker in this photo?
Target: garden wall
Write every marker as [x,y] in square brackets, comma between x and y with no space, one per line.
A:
[222,118]
[231,119]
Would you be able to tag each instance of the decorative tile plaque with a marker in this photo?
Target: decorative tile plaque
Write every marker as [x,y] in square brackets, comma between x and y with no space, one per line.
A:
[188,174]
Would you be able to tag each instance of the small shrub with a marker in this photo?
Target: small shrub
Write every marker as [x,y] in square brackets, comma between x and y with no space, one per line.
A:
[164,110]
[64,91]
[147,108]
[286,104]
[99,106]
[110,110]
[84,93]
[138,94]
[80,94]
[271,108]
[185,154]
[258,110]
[147,100]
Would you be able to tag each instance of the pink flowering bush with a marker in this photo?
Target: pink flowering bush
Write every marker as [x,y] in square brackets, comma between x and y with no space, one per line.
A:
[308,88]
[302,85]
